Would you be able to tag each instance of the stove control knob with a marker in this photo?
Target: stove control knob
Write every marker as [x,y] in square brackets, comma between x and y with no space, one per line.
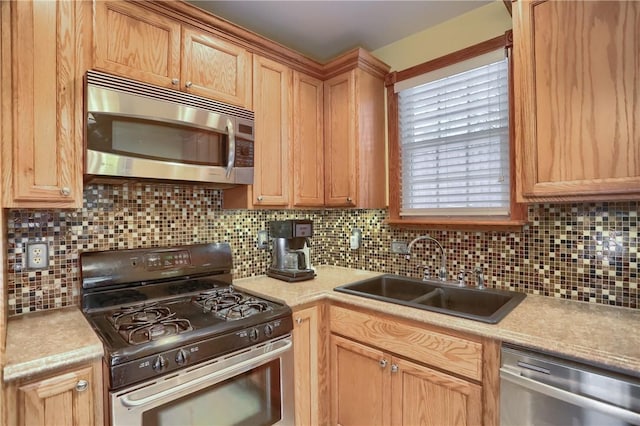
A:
[254,334]
[159,364]
[181,357]
[268,330]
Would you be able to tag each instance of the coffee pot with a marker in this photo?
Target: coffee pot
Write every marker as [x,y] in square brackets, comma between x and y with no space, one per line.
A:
[290,253]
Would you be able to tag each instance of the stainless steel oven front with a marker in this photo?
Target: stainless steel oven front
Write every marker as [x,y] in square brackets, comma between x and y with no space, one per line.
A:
[253,386]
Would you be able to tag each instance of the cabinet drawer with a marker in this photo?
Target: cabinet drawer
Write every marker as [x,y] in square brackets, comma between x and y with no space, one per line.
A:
[451,353]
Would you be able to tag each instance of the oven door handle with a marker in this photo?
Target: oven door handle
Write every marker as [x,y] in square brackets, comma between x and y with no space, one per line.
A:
[215,377]
[571,398]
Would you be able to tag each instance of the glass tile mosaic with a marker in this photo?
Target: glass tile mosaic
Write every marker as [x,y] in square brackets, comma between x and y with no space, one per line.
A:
[586,252]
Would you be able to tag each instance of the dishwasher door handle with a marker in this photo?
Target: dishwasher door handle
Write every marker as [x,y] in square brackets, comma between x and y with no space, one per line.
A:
[571,398]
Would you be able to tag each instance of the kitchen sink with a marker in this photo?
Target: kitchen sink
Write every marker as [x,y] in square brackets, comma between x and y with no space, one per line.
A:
[486,305]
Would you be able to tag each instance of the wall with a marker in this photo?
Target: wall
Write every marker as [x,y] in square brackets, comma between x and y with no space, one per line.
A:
[480,24]
[584,252]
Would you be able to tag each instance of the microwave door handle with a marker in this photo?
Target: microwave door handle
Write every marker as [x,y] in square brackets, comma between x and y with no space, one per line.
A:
[232,147]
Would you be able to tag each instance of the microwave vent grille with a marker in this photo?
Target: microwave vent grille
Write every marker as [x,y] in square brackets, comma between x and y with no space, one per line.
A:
[121,84]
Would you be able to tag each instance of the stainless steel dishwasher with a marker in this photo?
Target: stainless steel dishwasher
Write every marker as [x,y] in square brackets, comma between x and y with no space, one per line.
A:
[538,389]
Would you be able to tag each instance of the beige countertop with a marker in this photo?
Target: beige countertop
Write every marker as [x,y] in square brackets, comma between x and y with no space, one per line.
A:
[608,336]
[593,333]
[48,340]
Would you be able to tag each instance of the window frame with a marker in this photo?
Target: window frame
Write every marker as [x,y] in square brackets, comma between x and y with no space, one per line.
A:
[517,217]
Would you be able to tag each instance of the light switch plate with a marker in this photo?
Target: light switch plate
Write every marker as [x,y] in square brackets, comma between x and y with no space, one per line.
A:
[37,255]
[263,239]
[399,247]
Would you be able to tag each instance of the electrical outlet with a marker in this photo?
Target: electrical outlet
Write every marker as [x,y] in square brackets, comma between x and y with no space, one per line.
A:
[399,247]
[37,255]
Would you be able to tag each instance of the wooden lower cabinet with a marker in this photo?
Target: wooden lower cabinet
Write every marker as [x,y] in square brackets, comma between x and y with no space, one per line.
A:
[387,371]
[373,387]
[424,396]
[71,397]
[310,354]
[360,382]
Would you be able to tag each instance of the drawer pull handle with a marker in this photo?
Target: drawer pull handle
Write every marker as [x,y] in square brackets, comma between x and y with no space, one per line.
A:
[65,191]
[82,385]
[175,81]
[188,84]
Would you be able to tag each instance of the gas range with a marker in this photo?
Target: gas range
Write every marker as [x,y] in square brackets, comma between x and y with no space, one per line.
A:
[161,310]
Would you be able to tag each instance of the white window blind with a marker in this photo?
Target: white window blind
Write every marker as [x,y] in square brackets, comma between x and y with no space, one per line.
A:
[454,143]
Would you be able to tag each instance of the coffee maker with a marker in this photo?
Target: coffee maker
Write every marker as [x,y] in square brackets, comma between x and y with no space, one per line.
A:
[290,253]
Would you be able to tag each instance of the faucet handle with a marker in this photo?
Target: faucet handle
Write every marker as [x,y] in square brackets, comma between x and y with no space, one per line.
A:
[479,277]
[426,273]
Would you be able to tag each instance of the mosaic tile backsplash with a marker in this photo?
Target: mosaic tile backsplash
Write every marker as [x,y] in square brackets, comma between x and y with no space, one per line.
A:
[585,252]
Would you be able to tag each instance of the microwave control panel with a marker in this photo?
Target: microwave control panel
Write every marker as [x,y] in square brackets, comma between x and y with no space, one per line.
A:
[244,153]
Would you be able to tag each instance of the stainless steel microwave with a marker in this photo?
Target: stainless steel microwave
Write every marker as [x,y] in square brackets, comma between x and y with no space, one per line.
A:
[140,131]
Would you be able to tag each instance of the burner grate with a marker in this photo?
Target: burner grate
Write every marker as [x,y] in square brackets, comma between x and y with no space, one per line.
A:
[143,323]
[228,304]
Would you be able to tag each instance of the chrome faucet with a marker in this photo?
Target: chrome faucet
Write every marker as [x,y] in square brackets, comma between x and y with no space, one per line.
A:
[479,278]
[442,273]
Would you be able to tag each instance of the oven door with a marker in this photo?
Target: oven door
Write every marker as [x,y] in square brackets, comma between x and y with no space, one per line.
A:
[250,387]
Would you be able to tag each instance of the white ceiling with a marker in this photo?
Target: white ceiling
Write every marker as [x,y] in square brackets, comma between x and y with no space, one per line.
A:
[323,29]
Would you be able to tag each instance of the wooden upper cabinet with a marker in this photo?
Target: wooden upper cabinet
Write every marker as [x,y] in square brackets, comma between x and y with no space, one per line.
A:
[134,41]
[341,132]
[272,105]
[308,141]
[215,68]
[43,59]
[577,85]
[354,156]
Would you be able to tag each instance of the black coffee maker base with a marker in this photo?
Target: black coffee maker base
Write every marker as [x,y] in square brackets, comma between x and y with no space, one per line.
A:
[291,276]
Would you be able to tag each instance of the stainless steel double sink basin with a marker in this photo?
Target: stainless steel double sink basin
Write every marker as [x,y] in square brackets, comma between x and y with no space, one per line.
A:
[488,305]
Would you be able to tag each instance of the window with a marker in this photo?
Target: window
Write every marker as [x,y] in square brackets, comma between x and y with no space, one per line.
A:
[452,144]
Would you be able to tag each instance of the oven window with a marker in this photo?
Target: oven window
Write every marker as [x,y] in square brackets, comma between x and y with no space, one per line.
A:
[155,140]
[252,398]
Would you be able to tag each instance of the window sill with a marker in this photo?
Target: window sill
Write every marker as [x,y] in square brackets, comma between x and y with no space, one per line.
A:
[471,223]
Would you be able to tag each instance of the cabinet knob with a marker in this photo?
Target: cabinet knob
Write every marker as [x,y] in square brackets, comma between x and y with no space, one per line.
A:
[349,199]
[298,321]
[260,197]
[188,84]
[65,191]
[82,385]
[394,368]
[383,363]
[175,81]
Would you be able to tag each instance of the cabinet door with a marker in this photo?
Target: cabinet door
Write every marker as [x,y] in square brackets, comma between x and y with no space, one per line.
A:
[341,128]
[66,399]
[360,384]
[272,105]
[215,68]
[135,42]
[308,141]
[422,396]
[42,60]
[577,85]
[306,350]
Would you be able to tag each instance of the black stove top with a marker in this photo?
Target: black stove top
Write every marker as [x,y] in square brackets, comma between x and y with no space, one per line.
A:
[153,325]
